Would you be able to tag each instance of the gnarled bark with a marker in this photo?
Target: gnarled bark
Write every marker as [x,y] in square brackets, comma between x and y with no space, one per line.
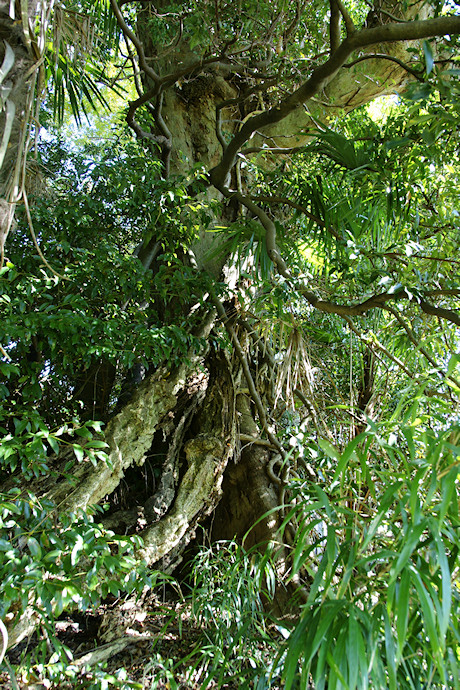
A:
[15,98]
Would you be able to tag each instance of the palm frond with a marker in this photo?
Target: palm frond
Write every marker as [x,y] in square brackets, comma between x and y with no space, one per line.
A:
[342,151]
[84,38]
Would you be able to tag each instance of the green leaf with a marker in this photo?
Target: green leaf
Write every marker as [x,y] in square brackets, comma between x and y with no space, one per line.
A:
[335,674]
[429,58]
[390,652]
[346,455]
[453,363]
[327,613]
[34,548]
[79,452]
[446,588]
[402,610]
[410,541]
[389,496]
[428,612]
[83,432]
[455,675]
[295,650]
[355,649]
[54,444]
[419,92]
[97,444]
[329,449]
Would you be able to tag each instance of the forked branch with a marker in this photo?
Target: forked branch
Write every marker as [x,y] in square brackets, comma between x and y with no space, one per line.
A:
[323,74]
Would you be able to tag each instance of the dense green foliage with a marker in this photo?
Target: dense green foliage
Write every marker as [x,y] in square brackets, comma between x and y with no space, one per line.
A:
[379,539]
[364,401]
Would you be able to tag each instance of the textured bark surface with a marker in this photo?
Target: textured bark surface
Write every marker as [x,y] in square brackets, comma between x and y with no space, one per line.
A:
[355,86]
[16,96]
[16,82]
[247,490]
[207,453]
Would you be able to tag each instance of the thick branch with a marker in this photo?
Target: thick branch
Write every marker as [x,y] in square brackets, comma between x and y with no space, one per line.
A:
[441,312]
[166,145]
[350,27]
[377,301]
[372,302]
[334,27]
[128,34]
[298,207]
[383,56]
[323,74]
[268,225]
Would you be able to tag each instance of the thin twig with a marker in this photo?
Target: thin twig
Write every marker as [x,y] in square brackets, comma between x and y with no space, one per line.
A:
[416,341]
[370,343]
[34,238]
[6,355]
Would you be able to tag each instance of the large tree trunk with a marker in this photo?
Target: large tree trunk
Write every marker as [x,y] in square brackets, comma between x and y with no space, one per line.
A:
[16,59]
[186,123]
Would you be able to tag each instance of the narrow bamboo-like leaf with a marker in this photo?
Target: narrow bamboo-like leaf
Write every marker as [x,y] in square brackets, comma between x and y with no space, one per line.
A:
[329,449]
[331,546]
[390,652]
[409,436]
[346,455]
[353,651]
[350,548]
[402,610]
[453,362]
[330,609]
[335,674]
[322,496]
[295,650]
[428,613]
[411,539]
[317,580]
[432,487]
[73,100]
[350,447]
[446,589]
[365,654]
[447,492]
[455,671]
[366,470]
[320,678]
[429,57]
[388,497]
[302,550]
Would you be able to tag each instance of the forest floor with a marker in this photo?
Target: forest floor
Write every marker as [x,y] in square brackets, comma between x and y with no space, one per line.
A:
[152,642]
